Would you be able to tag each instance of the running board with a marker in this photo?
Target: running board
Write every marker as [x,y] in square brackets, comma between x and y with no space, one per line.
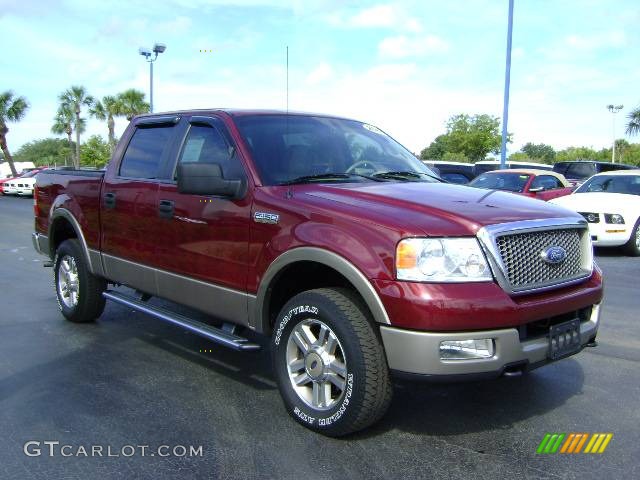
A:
[209,332]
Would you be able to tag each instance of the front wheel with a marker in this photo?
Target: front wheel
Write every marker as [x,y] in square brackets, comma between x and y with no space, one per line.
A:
[633,245]
[329,362]
[78,291]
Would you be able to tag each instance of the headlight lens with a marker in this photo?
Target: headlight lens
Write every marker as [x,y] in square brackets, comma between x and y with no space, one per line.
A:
[441,260]
[614,218]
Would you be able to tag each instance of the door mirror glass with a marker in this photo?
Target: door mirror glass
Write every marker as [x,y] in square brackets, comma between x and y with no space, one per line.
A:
[198,178]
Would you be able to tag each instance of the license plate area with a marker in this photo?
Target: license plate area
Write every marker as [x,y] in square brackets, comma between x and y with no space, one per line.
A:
[564,339]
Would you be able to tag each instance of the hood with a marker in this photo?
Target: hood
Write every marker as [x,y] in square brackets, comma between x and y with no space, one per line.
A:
[599,202]
[435,208]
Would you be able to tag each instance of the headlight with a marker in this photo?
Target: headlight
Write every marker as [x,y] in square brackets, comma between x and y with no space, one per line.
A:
[441,260]
[614,218]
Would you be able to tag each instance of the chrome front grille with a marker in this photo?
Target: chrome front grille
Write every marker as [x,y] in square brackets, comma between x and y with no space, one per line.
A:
[525,257]
[524,266]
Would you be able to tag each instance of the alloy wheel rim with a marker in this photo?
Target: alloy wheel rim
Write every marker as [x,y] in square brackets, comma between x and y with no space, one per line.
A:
[316,364]
[638,237]
[68,282]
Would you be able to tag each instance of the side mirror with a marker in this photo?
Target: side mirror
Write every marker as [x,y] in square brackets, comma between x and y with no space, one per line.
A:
[206,179]
[536,190]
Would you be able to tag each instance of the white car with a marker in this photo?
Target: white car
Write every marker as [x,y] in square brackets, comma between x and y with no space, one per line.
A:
[20,186]
[610,202]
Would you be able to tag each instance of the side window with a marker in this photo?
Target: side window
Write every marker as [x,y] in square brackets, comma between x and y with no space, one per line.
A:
[547,182]
[581,170]
[145,152]
[207,145]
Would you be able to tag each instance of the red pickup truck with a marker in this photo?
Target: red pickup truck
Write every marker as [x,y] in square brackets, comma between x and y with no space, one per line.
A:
[330,237]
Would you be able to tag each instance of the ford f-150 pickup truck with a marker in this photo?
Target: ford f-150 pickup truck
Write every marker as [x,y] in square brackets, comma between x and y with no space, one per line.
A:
[332,238]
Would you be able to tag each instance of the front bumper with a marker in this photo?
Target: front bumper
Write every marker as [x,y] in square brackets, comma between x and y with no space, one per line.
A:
[608,234]
[417,353]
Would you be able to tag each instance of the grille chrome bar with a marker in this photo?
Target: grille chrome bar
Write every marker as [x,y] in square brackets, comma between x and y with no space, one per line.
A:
[514,253]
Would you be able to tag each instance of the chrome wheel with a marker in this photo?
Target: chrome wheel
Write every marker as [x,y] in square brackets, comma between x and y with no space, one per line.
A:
[68,283]
[316,364]
[638,238]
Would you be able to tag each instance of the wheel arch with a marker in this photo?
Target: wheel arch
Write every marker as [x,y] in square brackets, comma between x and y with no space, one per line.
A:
[63,226]
[331,263]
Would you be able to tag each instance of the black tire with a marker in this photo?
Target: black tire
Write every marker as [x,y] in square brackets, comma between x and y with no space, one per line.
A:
[90,302]
[367,388]
[633,245]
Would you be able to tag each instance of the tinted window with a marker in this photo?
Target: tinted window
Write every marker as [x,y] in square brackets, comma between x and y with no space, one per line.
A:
[207,145]
[580,170]
[629,184]
[145,152]
[608,167]
[530,165]
[455,178]
[560,167]
[485,167]
[286,147]
[547,182]
[510,182]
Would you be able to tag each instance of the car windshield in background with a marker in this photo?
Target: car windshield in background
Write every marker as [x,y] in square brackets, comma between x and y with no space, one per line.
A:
[629,184]
[299,148]
[509,182]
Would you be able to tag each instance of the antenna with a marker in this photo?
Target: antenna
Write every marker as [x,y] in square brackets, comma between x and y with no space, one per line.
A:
[287,78]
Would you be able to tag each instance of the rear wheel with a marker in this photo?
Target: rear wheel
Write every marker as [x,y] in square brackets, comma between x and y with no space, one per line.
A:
[78,291]
[633,245]
[329,362]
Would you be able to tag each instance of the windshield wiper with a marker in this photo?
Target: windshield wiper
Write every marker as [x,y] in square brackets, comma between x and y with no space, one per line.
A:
[325,176]
[401,175]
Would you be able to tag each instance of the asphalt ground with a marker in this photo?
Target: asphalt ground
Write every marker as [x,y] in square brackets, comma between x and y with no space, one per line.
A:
[129,381]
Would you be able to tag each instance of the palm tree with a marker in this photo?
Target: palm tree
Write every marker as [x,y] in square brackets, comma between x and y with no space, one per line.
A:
[107,109]
[633,127]
[74,98]
[63,125]
[132,103]
[12,109]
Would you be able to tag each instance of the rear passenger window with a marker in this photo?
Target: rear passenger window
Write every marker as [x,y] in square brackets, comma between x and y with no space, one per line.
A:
[206,144]
[145,152]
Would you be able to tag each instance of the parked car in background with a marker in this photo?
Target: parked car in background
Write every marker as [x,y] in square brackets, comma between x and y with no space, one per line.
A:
[576,172]
[21,185]
[453,172]
[610,202]
[5,170]
[541,184]
[489,165]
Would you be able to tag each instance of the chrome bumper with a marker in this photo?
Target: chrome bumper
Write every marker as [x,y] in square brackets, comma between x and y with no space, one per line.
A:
[40,243]
[418,353]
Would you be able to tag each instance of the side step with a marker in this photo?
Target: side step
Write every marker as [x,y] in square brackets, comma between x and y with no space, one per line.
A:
[207,331]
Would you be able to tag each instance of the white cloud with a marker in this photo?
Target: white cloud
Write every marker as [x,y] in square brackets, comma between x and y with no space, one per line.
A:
[402,46]
[390,16]
[377,16]
[612,39]
[320,74]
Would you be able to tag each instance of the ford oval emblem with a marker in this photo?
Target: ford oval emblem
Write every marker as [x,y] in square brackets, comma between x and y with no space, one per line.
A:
[554,254]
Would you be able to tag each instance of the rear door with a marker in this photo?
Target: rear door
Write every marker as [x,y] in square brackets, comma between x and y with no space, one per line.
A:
[129,204]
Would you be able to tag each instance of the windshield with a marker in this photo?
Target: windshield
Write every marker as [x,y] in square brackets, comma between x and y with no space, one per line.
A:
[292,148]
[510,182]
[629,184]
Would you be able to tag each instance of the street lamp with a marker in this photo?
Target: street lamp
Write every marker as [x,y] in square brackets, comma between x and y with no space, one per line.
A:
[614,109]
[151,56]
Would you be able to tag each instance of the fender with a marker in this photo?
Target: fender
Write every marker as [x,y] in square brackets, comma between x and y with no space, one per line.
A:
[93,257]
[259,314]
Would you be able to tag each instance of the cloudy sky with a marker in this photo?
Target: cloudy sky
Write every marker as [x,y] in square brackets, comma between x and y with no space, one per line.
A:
[405,66]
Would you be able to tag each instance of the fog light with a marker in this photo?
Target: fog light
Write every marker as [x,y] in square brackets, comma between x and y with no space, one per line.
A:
[466,349]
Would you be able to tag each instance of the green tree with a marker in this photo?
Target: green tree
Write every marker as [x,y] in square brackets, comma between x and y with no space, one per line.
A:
[131,103]
[456,157]
[520,157]
[12,109]
[63,125]
[106,109]
[436,150]
[47,151]
[74,99]
[577,153]
[539,151]
[633,125]
[95,152]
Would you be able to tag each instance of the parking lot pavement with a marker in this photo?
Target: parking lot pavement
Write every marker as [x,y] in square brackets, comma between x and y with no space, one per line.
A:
[128,380]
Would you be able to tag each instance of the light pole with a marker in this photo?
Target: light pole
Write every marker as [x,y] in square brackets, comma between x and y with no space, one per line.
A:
[151,56]
[507,81]
[614,109]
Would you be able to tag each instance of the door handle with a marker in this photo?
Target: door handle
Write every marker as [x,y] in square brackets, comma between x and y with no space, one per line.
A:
[110,200]
[165,208]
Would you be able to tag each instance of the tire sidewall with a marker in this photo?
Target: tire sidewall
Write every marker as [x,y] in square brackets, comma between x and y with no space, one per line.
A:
[632,248]
[70,248]
[305,306]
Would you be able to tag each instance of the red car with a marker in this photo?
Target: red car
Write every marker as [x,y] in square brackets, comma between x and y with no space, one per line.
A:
[541,184]
[32,172]
[332,239]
